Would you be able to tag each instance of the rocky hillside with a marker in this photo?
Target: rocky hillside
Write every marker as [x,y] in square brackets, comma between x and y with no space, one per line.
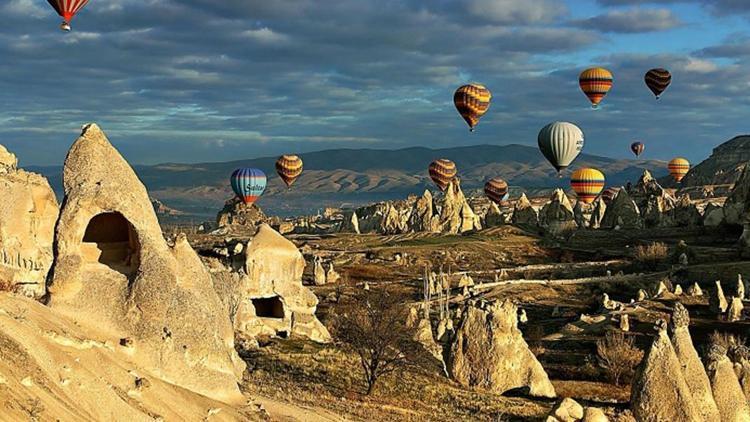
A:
[724,166]
[352,177]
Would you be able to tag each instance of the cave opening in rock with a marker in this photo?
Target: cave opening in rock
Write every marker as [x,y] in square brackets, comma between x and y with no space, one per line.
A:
[269,307]
[111,240]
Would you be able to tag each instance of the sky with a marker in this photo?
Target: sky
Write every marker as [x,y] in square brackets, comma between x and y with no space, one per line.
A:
[206,80]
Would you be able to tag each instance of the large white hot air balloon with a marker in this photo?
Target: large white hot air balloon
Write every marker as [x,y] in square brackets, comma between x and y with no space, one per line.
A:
[560,142]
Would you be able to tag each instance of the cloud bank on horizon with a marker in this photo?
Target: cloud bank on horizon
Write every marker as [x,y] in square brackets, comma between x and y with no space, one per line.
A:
[200,80]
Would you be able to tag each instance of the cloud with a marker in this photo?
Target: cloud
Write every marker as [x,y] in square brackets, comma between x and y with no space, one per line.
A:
[635,20]
[736,47]
[516,12]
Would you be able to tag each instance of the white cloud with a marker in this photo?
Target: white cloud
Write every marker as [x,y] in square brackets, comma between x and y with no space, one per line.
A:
[633,21]
[515,11]
[265,36]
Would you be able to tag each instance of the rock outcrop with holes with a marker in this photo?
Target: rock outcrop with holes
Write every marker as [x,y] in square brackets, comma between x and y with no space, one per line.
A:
[685,213]
[692,367]
[489,352]
[622,213]
[237,213]
[660,392]
[556,216]
[115,274]
[653,201]
[28,212]
[266,294]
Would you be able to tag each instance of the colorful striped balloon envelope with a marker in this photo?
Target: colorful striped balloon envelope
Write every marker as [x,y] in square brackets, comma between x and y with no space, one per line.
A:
[587,184]
[248,184]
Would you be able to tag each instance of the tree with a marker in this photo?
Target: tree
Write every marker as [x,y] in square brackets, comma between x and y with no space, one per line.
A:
[373,325]
[618,355]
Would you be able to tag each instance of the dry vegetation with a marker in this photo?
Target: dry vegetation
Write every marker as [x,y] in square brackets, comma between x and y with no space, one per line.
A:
[650,256]
[618,355]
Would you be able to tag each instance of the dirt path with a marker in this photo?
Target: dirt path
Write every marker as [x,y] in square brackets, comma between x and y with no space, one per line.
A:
[286,412]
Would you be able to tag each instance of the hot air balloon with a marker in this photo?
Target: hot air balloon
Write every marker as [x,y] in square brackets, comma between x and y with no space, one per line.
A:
[289,168]
[560,142]
[248,184]
[67,9]
[678,168]
[587,184]
[637,148]
[657,80]
[442,172]
[595,82]
[496,190]
[472,101]
[609,194]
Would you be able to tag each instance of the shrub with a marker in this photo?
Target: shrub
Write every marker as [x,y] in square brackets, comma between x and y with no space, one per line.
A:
[651,255]
[618,355]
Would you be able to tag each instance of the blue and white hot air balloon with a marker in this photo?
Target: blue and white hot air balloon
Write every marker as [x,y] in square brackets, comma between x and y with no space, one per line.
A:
[248,184]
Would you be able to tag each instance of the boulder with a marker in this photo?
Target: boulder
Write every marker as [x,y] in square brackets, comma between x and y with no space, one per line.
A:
[115,274]
[268,294]
[622,213]
[488,351]
[566,410]
[524,215]
[717,302]
[659,392]
[556,216]
[727,391]
[237,213]
[28,213]
[692,367]
[594,414]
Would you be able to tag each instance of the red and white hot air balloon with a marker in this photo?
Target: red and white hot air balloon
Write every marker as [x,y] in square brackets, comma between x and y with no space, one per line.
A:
[67,9]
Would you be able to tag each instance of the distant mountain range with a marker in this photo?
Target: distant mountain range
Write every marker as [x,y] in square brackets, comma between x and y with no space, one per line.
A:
[351,177]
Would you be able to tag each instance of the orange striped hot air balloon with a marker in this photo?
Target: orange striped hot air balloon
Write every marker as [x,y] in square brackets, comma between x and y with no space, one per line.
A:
[289,168]
[678,168]
[496,190]
[67,9]
[595,82]
[587,184]
[442,172]
[472,101]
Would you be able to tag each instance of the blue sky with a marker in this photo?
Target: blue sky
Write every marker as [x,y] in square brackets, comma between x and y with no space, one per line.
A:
[200,80]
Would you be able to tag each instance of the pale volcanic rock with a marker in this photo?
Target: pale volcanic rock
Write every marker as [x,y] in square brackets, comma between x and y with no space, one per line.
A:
[660,392]
[695,290]
[237,213]
[622,213]
[734,312]
[730,399]
[653,201]
[582,214]
[597,215]
[734,207]
[717,302]
[115,273]
[488,351]
[524,214]
[692,367]
[685,213]
[423,217]
[28,213]
[350,224]
[566,410]
[494,217]
[713,215]
[269,295]
[456,215]
[332,277]
[594,414]
[556,216]
[319,274]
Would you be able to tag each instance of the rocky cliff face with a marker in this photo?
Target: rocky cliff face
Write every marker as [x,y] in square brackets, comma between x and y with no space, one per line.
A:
[724,166]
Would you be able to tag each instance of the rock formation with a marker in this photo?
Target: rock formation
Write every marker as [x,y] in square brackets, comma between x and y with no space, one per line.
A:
[685,213]
[350,224]
[266,296]
[734,207]
[625,323]
[713,215]
[660,392]
[556,216]
[524,215]
[487,344]
[692,367]
[115,273]
[734,312]
[730,399]
[597,215]
[717,302]
[237,213]
[622,213]
[695,290]
[332,277]
[494,217]
[28,212]
[652,200]
[740,287]
[566,410]
[319,274]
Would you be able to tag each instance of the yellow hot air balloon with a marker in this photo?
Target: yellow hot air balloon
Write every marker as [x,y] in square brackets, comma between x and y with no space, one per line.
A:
[595,82]
[678,168]
[587,184]
[472,101]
